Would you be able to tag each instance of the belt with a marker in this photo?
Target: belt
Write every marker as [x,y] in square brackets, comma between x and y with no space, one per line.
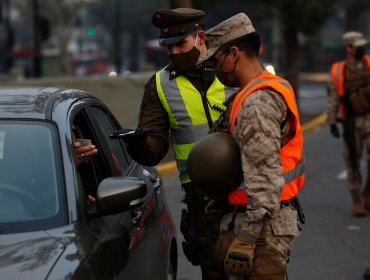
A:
[285,203]
[231,208]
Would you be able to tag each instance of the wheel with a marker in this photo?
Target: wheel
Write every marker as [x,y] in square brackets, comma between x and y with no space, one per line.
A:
[28,199]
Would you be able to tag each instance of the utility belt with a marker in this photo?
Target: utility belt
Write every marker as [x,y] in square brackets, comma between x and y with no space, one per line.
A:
[294,202]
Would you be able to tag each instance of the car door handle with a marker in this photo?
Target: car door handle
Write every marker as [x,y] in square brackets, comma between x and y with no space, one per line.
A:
[157,184]
[137,219]
[156,180]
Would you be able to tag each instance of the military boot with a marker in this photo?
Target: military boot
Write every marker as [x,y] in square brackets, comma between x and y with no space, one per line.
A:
[358,207]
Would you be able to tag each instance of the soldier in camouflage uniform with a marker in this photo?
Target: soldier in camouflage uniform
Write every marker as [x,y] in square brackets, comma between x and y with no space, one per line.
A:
[265,125]
[349,93]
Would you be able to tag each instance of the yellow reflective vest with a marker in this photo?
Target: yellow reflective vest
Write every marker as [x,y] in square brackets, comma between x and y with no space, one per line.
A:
[187,118]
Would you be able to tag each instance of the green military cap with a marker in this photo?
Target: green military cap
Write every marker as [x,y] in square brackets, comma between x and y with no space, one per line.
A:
[176,24]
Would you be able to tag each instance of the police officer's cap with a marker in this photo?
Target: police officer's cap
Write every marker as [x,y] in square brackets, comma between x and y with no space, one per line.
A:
[176,24]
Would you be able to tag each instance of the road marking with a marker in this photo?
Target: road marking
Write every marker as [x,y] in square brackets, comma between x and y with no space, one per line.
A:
[353,227]
[342,175]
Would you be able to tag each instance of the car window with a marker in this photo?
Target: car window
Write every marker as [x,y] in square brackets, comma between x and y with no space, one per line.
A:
[119,154]
[92,170]
[30,176]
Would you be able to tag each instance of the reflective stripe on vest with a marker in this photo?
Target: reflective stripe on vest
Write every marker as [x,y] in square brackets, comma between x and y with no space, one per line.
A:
[291,154]
[337,75]
[188,122]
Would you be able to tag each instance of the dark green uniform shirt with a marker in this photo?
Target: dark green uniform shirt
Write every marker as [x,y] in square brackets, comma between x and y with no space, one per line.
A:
[153,115]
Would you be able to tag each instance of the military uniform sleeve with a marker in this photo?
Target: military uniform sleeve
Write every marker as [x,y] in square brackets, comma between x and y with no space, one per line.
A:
[152,115]
[258,133]
[333,103]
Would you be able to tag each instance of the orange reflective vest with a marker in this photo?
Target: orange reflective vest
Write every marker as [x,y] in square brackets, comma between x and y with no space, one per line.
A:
[291,153]
[337,75]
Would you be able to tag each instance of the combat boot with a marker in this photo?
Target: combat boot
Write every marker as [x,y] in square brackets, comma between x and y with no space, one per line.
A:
[358,207]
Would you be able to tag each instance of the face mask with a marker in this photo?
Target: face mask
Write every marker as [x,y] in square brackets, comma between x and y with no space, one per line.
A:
[185,61]
[359,53]
[226,78]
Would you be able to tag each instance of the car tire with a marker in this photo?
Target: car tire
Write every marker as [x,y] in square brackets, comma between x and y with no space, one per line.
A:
[171,273]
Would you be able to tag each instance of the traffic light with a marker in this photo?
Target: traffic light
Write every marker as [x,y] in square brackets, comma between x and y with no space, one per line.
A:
[91,31]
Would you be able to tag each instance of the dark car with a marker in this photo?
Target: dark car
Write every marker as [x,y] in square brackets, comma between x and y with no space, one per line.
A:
[48,229]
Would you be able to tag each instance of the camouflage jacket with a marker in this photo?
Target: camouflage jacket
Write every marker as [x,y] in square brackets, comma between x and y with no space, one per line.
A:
[260,129]
[357,91]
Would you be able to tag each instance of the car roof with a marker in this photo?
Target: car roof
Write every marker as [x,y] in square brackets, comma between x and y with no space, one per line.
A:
[34,102]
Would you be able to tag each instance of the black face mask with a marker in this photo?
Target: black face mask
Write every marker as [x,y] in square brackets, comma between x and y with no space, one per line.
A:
[359,53]
[185,61]
[226,78]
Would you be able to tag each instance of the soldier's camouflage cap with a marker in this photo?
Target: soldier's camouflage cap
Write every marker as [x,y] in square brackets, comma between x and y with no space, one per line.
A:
[233,28]
[176,24]
[354,38]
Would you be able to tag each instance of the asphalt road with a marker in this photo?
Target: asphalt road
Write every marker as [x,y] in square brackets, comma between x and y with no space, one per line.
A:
[334,244]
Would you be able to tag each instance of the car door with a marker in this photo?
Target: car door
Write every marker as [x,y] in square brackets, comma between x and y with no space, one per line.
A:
[143,223]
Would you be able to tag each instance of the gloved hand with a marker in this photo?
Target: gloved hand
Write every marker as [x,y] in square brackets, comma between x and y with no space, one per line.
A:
[131,136]
[239,257]
[334,130]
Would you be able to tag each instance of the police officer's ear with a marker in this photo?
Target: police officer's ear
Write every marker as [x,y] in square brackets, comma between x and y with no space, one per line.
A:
[202,37]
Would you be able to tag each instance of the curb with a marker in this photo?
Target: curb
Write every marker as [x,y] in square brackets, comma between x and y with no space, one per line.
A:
[316,122]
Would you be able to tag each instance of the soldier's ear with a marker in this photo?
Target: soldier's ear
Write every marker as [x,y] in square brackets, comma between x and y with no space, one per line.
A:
[234,51]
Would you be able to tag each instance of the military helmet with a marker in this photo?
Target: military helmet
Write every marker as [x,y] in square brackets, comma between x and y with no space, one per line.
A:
[214,164]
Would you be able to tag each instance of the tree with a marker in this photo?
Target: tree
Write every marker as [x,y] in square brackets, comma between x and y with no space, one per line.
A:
[354,9]
[298,17]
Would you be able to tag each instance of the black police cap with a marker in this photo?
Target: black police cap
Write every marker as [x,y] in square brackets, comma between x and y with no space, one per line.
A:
[176,24]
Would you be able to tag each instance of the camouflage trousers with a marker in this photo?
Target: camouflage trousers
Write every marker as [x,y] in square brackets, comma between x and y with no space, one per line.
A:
[273,246]
[362,140]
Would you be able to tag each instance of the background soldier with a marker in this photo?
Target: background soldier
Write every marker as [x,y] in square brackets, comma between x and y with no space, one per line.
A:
[263,120]
[349,92]
[183,98]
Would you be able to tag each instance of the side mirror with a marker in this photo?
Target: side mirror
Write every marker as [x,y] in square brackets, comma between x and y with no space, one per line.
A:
[119,194]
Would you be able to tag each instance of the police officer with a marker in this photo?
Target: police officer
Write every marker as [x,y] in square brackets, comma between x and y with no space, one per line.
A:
[349,93]
[263,120]
[182,101]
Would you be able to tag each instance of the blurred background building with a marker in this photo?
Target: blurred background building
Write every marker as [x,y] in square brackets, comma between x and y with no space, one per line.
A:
[40,38]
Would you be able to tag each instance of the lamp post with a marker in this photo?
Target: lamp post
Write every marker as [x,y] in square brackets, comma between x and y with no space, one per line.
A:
[36,40]
[6,55]
[117,36]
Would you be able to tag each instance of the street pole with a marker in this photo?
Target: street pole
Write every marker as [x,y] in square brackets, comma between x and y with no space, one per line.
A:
[117,36]
[36,40]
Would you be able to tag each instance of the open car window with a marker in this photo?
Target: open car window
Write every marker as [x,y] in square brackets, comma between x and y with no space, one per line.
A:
[118,155]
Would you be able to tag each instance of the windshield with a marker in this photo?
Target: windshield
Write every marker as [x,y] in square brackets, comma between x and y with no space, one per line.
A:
[30,188]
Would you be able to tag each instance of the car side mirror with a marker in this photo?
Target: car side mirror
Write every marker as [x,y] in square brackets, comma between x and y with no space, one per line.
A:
[119,194]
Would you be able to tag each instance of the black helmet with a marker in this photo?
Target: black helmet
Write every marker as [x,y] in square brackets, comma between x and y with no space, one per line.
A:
[214,164]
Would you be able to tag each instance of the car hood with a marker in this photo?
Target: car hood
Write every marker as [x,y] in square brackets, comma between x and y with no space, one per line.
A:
[30,255]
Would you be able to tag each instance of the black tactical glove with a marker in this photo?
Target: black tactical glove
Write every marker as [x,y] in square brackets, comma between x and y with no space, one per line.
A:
[131,136]
[334,130]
